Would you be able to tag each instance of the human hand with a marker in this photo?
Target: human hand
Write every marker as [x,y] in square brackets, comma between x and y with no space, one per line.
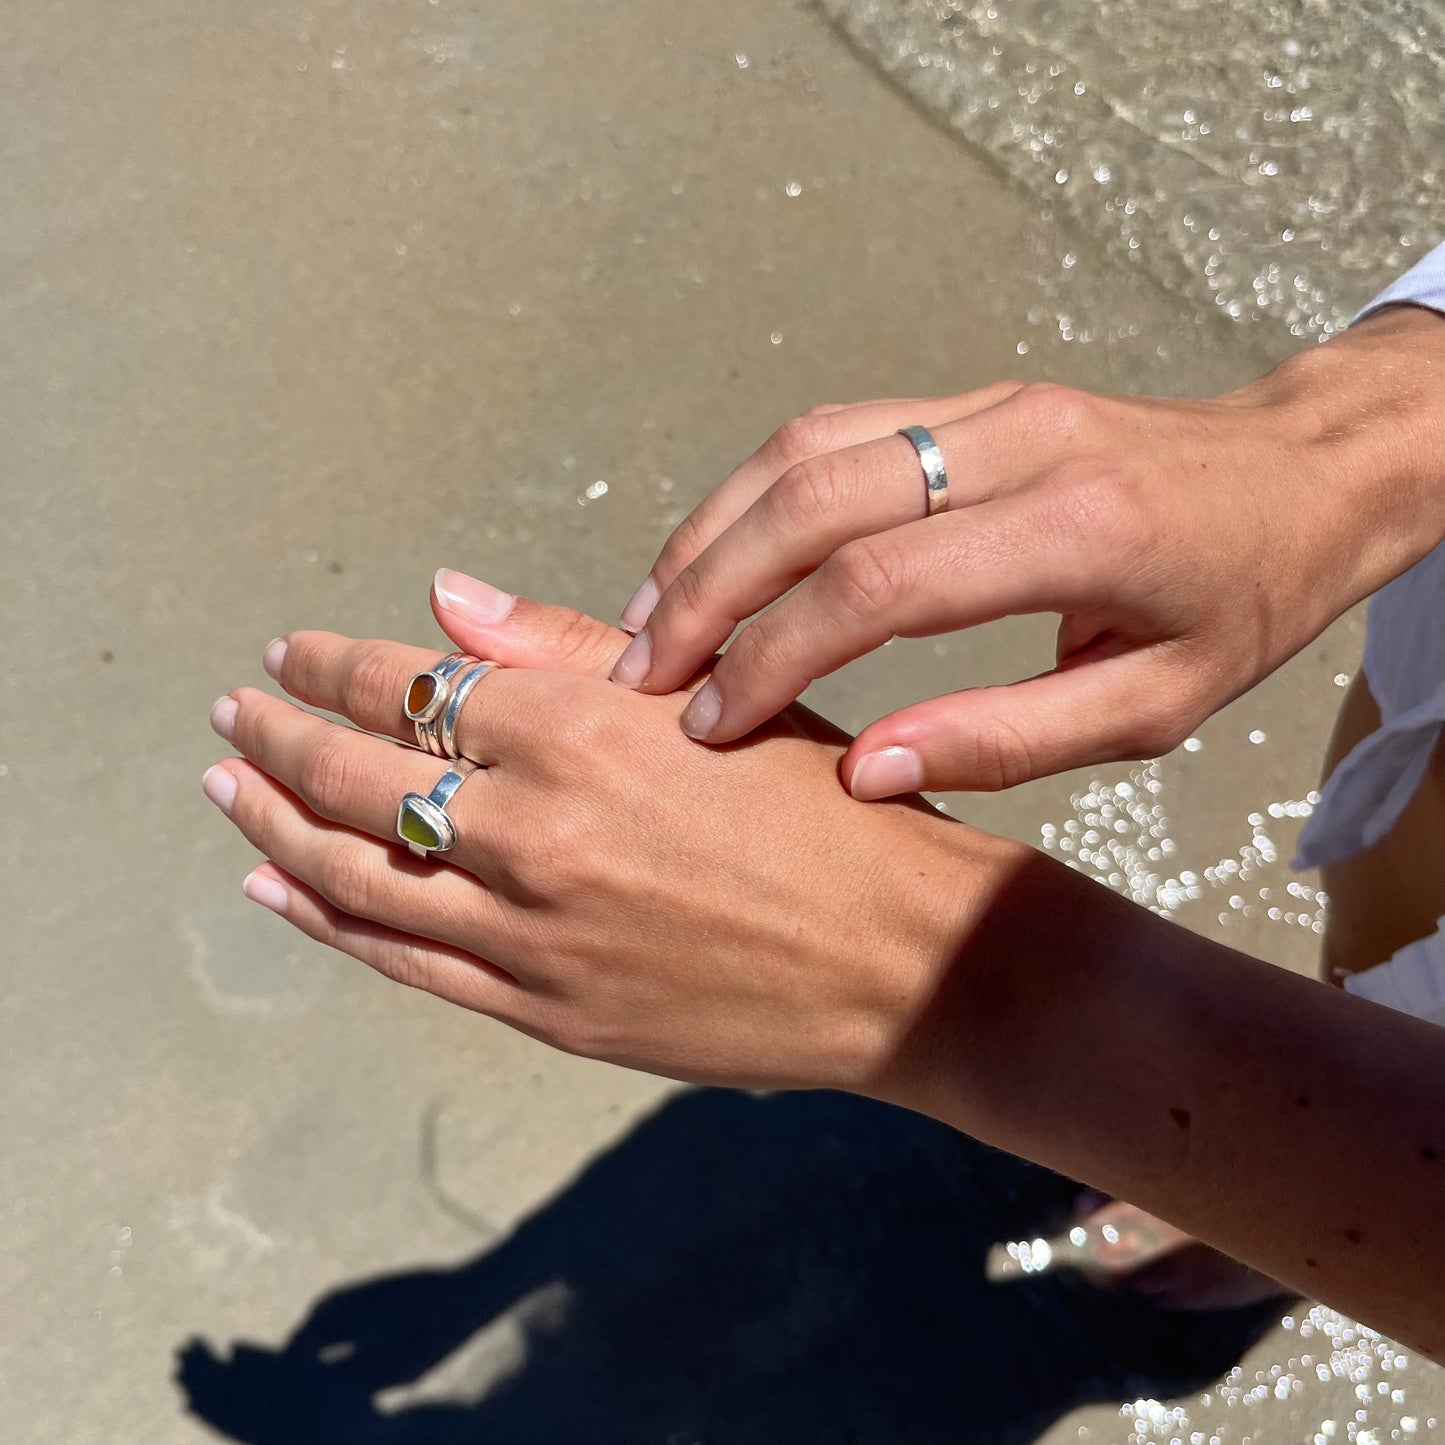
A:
[1190,546]
[724,916]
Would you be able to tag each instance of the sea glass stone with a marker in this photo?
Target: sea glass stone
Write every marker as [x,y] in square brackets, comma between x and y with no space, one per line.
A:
[422,693]
[416,828]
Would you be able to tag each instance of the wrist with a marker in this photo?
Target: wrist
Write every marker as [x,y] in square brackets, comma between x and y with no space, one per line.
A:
[1363,417]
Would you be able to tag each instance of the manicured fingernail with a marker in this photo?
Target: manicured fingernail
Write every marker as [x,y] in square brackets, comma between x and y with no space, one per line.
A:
[273,657]
[220,787]
[269,892]
[476,600]
[886,773]
[639,609]
[223,717]
[635,662]
[700,716]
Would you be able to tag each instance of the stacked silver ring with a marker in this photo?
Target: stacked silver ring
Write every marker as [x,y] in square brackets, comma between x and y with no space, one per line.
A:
[434,700]
[427,695]
[445,727]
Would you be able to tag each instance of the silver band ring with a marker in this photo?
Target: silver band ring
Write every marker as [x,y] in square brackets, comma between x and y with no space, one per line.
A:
[421,820]
[427,694]
[935,474]
[446,727]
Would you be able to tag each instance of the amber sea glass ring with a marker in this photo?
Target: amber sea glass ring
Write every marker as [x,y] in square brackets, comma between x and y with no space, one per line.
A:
[427,695]
[421,820]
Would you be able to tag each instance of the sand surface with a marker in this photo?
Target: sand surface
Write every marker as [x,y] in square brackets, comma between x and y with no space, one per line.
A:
[299,304]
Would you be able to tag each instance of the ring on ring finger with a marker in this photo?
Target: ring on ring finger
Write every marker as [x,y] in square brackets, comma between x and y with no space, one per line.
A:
[422,822]
[935,473]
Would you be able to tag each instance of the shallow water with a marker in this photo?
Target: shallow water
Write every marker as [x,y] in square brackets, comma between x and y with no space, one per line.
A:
[1276,161]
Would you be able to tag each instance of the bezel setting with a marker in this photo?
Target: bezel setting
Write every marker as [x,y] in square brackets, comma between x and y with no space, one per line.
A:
[420,809]
[435,700]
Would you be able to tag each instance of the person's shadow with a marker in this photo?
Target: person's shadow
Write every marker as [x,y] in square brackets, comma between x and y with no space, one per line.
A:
[790,1269]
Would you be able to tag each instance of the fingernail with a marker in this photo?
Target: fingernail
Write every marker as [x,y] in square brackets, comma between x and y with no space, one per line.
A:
[701,715]
[482,603]
[219,785]
[635,662]
[269,892]
[886,773]
[274,656]
[223,717]
[639,609]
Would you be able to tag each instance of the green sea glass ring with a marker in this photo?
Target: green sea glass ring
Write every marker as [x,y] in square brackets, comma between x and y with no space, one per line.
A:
[421,820]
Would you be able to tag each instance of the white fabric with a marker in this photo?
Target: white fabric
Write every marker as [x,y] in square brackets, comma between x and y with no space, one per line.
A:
[1405,667]
[1422,285]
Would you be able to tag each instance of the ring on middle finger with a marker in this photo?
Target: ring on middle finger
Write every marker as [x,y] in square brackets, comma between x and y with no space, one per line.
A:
[427,694]
[445,727]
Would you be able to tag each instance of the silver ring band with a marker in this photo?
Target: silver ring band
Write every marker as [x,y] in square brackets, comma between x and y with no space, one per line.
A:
[427,694]
[446,727]
[935,474]
[421,819]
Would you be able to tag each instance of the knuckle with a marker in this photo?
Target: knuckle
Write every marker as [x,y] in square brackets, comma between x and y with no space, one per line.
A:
[758,651]
[1154,728]
[349,882]
[326,774]
[1063,410]
[804,436]
[865,575]
[688,539]
[1107,508]
[811,489]
[1002,757]
[689,591]
[410,965]
[577,637]
[368,681]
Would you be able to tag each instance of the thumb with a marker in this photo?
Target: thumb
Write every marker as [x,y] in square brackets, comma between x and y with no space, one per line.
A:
[518,632]
[990,738]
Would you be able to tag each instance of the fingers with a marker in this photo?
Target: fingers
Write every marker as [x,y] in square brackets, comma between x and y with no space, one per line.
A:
[934,575]
[451,973]
[367,682]
[510,720]
[340,774]
[987,739]
[364,681]
[797,523]
[358,875]
[519,632]
[816,433]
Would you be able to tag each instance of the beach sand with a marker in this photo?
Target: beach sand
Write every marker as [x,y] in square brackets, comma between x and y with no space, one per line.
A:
[300,304]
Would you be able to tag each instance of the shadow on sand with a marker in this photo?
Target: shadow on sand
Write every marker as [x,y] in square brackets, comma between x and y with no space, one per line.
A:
[793,1269]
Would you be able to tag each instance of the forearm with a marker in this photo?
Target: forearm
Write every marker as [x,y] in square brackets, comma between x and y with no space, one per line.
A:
[1286,1123]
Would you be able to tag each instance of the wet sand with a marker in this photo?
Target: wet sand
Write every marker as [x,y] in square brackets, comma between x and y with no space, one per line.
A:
[299,305]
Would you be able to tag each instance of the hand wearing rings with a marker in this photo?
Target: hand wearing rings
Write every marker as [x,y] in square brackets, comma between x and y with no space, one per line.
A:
[830,514]
[559,902]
